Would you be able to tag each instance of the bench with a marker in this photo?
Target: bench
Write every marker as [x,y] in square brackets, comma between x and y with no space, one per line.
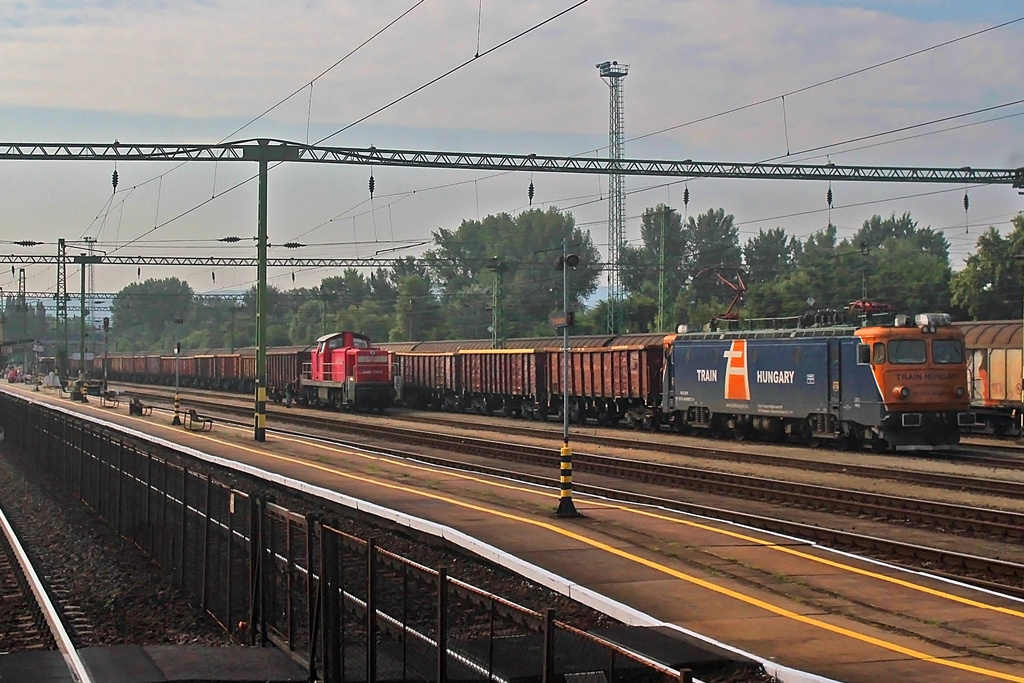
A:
[109,399]
[75,391]
[197,422]
[137,407]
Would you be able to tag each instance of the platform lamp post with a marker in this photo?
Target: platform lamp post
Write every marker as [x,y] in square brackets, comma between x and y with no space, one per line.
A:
[565,320]
[106,331]
[177,354]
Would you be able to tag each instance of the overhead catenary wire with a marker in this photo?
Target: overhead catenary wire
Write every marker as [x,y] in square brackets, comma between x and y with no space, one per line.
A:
[599,180]
[380,109]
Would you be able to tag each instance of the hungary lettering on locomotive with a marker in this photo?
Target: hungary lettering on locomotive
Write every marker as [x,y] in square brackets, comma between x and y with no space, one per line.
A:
[775,376]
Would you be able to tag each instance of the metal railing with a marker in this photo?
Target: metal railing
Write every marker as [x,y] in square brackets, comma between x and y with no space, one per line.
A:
[343,607]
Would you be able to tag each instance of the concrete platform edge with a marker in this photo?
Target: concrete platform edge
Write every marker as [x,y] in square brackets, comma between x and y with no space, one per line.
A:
[586,596]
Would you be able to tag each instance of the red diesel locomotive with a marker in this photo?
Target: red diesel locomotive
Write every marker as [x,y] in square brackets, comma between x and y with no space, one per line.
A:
[342,370]
[346,372]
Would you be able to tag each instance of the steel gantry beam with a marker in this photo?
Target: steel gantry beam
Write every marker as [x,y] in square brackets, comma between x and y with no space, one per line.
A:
[283,150]
[214,261]
[266,151]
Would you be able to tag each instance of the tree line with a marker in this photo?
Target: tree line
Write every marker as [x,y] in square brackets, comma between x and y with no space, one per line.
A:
[498,277]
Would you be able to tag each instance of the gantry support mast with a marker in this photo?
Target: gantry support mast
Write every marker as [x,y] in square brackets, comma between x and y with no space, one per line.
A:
[61,295]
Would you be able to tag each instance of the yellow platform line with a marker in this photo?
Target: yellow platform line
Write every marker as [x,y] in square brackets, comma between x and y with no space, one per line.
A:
[637,511]
[767,606]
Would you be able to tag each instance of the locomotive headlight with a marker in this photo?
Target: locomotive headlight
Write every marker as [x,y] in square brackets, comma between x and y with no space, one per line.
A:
[901,392]
[960,391]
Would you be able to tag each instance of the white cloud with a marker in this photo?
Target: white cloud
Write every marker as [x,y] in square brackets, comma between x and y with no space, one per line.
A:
[193,72]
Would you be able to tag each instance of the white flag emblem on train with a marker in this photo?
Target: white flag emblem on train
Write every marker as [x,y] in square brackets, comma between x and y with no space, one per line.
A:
[737,385]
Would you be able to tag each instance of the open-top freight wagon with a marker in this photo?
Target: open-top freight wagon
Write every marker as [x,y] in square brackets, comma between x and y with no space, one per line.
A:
[901,386]
[994,370]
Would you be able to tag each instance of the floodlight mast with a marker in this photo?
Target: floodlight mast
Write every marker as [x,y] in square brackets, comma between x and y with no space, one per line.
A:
[265,150]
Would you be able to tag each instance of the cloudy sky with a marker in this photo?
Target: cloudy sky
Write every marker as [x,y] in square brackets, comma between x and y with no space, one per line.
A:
[205,71]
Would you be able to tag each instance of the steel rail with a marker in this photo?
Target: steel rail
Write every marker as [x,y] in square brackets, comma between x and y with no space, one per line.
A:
[954,482]
[50,612]
[999,525]
[996,575]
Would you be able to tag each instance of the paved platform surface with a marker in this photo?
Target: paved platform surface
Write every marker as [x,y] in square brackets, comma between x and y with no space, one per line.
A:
[157,663]
[784,600]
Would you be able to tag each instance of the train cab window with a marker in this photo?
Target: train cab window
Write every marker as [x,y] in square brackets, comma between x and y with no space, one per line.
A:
[359,343]
[947,351]
[907,351]
[863,354]
[337,342]
[878,354]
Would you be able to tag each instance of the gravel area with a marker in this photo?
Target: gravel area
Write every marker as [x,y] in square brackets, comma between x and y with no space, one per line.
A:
[123,597]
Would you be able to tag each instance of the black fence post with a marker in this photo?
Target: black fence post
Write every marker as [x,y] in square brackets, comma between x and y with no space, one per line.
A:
[313,599]
[371,610]
[442,625]
[119,472]
[148,520]
[330,624]
[548,650]
[206,542]
[255,556]
[184,528]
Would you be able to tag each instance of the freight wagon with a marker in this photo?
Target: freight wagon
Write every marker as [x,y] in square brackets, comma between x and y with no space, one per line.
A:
[994,372]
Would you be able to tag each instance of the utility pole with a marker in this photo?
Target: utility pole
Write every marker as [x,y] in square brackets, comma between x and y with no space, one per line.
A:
[84,260]
[90,275]
[177,354]
[566,508]
[498,304]
[22,306]
[661,272]
[61,296]
[263,152]
[81,324]
[613,73]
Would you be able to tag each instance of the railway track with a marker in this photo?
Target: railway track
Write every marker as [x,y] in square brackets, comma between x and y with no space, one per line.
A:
[33,613]
[948,518]
[708,452]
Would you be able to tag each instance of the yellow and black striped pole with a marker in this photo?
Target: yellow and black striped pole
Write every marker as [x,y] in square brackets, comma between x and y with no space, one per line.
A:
[177,354]
[566,508]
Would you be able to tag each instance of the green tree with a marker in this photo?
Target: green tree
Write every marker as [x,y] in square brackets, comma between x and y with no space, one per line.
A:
[713,248]
[770,255]
[989,286]
[143,313]
[461,267]
[642,270]
[417,313]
